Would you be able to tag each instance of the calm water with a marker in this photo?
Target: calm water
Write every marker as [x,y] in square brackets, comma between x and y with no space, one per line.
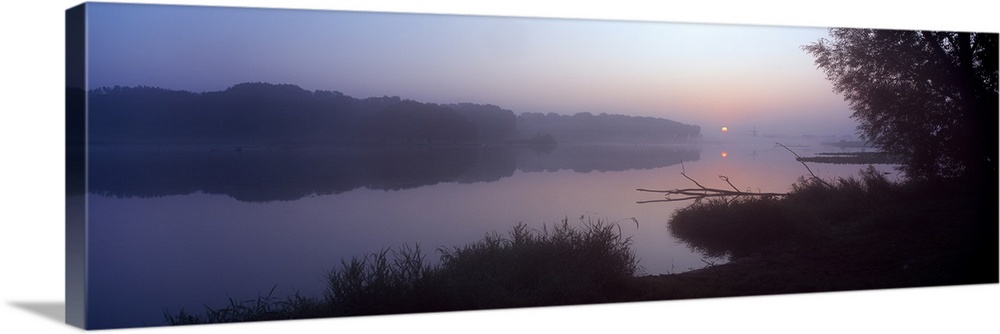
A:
[184,227]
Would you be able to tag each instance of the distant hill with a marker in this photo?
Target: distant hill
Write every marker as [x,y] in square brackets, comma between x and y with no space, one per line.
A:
[283,114]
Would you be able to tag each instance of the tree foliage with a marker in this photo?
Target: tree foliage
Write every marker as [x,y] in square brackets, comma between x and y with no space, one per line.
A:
[263,113]
[926,95]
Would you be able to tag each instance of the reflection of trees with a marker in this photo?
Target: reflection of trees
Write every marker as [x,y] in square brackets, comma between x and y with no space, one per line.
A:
[269,173]
[260,174]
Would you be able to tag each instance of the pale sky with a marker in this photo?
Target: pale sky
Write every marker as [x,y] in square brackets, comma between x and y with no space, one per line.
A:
[708,75]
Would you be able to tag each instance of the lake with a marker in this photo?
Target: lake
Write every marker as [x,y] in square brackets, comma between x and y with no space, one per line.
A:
[182,227]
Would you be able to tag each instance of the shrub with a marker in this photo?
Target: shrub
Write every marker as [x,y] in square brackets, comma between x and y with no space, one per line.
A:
[741,226]
[524,268]
[262,308]
[734,227]
[843,200]
[373,284]
[534,268]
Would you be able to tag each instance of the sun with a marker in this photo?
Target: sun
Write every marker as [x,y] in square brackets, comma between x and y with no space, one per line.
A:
[725,129]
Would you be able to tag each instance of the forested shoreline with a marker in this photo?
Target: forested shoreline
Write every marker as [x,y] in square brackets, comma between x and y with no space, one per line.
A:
[264,113]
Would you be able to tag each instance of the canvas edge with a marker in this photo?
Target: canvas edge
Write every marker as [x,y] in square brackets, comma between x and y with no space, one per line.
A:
[76,239]
[76,167]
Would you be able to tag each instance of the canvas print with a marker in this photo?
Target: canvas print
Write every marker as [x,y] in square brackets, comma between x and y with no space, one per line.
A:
[242,164]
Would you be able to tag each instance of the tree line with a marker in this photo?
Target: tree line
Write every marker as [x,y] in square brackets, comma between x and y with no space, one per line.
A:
[264,113]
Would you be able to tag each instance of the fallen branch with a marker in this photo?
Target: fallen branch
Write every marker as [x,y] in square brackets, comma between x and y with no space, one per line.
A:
[697,194]
[689,178]
[701,192]
[726,178]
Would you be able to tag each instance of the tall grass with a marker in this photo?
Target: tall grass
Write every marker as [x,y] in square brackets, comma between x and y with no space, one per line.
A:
[743,226]
[525,267]
[731,227]
[376,284]
[534,268]
[264,307]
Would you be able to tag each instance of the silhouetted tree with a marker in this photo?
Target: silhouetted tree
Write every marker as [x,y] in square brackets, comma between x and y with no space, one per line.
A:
[264,113]
[929,96]
[492,123]
[415,122]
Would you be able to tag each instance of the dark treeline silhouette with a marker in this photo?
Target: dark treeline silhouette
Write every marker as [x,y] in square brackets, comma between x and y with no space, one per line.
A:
[270,173]
[262,113]
[604,128]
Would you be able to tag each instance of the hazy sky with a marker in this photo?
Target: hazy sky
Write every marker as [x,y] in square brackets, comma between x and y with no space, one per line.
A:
[710,75]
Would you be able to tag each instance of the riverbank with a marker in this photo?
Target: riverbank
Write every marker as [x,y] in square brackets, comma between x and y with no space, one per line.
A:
[854,234]
[869,235]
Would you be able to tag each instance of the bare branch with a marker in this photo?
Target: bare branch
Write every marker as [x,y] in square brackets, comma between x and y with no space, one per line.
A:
[700,193]
[697,194]
[692,180]
[797,158]
[726,178]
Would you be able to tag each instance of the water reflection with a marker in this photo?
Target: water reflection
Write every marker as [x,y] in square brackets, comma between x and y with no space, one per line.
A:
[185,227]
[265,173]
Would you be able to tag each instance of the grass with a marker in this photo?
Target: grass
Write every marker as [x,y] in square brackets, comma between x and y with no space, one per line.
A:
[536,268]
[525,267]
[856,233]
[738,227]
[259,309]
[863,232]
[378,284]
[734,227]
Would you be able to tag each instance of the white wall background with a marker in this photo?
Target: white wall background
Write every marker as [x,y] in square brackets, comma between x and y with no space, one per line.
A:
[31,185]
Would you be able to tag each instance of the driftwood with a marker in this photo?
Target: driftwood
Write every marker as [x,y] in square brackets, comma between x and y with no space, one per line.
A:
[697,194]
[701,192]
